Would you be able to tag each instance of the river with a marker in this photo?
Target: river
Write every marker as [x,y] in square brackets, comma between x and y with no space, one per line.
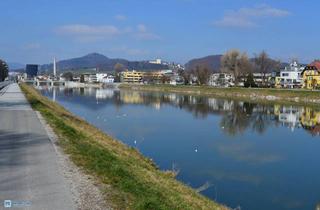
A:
[241,154]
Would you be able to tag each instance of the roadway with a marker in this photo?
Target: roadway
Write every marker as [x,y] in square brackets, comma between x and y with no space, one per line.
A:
[29,169]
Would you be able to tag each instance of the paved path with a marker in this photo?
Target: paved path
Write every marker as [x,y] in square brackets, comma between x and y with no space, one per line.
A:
[29,169]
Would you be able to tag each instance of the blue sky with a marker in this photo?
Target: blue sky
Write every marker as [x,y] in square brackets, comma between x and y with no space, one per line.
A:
[35,31]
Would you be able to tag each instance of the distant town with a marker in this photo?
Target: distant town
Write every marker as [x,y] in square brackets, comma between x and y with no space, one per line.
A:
[236,70]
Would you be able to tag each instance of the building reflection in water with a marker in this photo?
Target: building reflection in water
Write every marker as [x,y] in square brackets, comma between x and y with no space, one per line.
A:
[236,116]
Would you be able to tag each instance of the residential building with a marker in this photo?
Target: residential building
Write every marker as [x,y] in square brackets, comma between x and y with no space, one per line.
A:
[311,77]
[221,80]
[101,76]
[176,80]
[290,76]
[108,79]
[93,78]
[131,76]
[89,78]
[155,77]
[262,79]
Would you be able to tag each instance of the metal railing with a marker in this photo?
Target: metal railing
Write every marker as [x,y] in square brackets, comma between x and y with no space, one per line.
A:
[4,84]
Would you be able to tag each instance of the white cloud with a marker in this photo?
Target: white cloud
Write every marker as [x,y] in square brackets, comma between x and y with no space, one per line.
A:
[84,30]
[143,33]
[88,33]
[93,33]
[130,51]
[32,46]
[120,17]
[142,28]
[248,17]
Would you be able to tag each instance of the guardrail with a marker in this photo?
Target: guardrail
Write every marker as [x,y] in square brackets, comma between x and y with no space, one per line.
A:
[4,84]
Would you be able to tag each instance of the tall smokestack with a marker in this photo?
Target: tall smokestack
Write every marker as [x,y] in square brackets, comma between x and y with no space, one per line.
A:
[54,67]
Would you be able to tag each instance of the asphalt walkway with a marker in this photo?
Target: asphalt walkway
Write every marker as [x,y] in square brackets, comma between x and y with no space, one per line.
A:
[29,170]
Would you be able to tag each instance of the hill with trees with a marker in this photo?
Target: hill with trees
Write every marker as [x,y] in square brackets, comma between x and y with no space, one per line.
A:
[102,63]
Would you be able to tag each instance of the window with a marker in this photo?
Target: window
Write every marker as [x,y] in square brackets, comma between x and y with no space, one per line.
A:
[285,74]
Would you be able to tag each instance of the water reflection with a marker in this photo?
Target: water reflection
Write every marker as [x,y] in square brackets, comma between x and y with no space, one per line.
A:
[257,156]
[237,116]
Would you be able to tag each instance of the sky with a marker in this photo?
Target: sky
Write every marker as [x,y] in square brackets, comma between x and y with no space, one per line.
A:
[35,31]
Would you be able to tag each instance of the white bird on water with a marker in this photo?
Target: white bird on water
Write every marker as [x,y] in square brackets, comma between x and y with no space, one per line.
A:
[135,142]
[196,150]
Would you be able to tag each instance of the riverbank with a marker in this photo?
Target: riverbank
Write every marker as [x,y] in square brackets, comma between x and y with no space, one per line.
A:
[263,95]
[129,180]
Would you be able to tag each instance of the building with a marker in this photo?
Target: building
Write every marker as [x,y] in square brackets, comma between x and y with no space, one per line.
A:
[176,80]
[155,77]
[101,76]
[88,78]
[221,80]
[31,70]
[157,61]
[108,79]
[311,77]
[290,76]
[93,78]
[131,76]
[262,79]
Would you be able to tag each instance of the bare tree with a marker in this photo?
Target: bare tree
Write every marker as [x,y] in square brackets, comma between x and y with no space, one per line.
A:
[118,68]
[68,76]
[236,63]
[203,75]
[186,76]
[264,65]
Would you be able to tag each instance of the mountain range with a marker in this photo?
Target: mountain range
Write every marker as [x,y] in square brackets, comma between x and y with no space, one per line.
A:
[102,63]
[211,62]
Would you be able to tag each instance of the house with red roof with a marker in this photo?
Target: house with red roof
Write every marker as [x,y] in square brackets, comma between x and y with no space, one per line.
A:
[311,75]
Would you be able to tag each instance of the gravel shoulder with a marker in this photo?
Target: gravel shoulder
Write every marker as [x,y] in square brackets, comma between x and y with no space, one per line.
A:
[86,193]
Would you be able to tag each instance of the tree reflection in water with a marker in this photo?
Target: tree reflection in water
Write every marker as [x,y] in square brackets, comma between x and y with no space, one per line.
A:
[237,116]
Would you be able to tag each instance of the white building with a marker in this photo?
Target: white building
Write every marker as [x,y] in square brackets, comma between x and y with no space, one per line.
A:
[290,116]
[261,78]
[176,80]
[157,61]
[108,79]
[221,80]
[93,78]
[104,78]
[290,76]
[100,76]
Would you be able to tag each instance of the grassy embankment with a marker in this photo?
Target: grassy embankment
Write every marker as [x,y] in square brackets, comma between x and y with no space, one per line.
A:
[130,180]
[261,95]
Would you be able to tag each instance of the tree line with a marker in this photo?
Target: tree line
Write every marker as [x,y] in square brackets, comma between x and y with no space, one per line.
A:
[240,65]
[4,70]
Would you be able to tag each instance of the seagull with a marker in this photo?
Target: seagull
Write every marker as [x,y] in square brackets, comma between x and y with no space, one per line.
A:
[196,150]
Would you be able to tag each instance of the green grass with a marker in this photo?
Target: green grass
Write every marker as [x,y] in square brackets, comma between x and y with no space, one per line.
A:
[295,96]
[130,180]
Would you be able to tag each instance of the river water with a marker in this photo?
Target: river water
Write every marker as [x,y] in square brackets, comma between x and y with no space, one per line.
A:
[241,154]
